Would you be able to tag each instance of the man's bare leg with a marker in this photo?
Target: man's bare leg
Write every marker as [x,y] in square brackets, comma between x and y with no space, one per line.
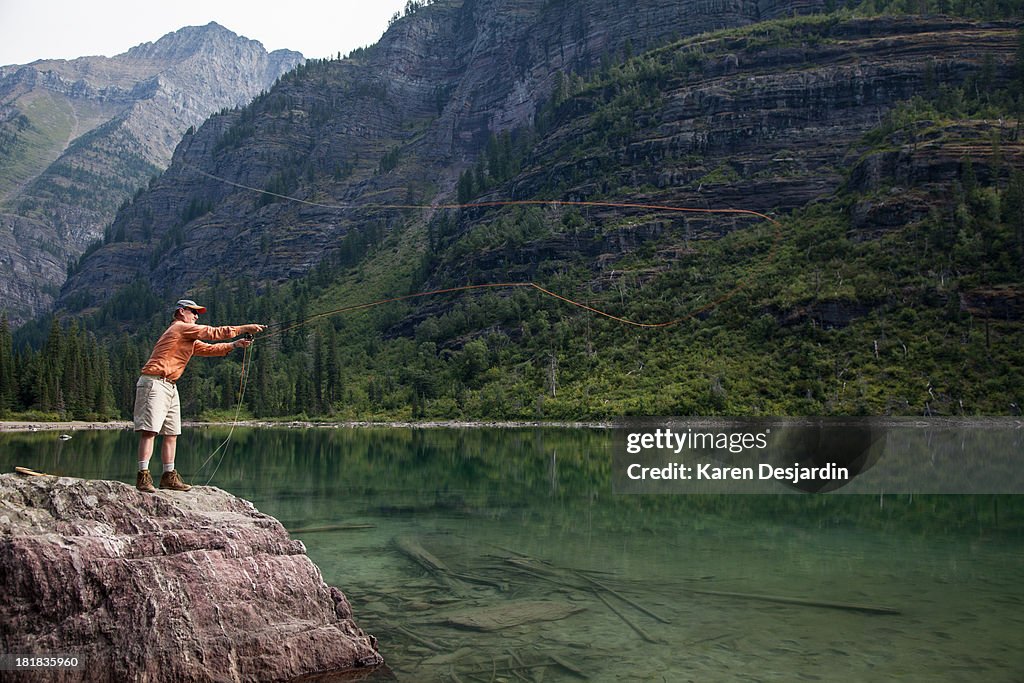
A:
[167,449]
[144,480]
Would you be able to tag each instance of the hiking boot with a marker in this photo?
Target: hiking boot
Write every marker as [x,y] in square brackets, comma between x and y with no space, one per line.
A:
[144,482]
[172,480]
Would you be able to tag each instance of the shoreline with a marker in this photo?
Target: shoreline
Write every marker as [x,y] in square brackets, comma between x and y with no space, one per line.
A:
[408,424]
[30,426]
[76,425]
[65,426]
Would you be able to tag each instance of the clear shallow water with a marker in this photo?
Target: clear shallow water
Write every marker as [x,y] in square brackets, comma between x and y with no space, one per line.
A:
[524,525]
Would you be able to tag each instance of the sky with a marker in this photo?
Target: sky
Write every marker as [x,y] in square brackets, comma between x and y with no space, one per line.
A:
[65,29]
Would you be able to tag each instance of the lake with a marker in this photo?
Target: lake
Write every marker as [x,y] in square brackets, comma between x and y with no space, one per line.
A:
[487,554]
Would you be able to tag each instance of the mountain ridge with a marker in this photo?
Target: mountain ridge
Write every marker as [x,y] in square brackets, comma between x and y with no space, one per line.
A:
[80,136]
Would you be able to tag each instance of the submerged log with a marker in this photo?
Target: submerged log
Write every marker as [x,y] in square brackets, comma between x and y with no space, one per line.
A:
[626,600]
[567,665]
[626,620]
[429,644]
[412,549]
[556,660]
[482,580]
[449,657]
[511,613]
[545,572]
[415,551]
[569,578]
[494,669]
[331,527]
[804,602]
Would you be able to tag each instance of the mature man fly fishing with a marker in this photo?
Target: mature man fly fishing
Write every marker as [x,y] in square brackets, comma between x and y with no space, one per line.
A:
[157,408]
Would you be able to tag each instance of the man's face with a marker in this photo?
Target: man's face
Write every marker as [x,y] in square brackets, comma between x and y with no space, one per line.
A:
[189,315]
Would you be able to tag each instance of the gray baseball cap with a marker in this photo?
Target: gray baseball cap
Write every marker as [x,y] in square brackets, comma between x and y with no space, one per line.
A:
[188,303]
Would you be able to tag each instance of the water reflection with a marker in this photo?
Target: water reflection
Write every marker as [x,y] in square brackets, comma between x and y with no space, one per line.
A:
[485,554]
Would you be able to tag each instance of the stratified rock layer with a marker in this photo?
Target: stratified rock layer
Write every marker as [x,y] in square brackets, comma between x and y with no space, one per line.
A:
[168,586]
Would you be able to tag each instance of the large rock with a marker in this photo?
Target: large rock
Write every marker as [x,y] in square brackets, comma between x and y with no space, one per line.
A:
[170,586]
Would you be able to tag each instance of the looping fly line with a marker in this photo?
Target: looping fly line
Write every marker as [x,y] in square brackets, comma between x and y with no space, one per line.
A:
[513,202]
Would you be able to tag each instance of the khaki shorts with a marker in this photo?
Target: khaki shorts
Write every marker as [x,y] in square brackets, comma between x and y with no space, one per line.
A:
[157,408]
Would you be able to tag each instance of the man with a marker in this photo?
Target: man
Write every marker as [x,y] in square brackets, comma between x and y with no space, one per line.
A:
[157,408]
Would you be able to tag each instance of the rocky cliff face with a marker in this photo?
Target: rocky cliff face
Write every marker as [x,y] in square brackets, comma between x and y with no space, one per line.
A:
[761,122]
[78,137]
[397,122]
[191,586]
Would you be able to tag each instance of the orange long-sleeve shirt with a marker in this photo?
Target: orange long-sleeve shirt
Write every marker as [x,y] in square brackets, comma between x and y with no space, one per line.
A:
[180,342]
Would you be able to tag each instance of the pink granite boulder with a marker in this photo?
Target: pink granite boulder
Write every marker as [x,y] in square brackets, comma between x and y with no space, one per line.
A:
[195,586]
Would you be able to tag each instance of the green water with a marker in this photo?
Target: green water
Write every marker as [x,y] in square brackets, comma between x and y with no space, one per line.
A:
[525,525]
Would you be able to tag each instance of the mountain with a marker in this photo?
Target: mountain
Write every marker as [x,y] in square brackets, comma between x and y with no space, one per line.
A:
[885,145]
[399,121]
[79,137]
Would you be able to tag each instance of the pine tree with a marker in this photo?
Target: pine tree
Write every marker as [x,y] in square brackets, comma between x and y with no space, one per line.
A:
[72,373]
[466,190]
[319,372]
[8,379]
[48,368]
[333,369]
[125,374]
[102,391]
[1013,213]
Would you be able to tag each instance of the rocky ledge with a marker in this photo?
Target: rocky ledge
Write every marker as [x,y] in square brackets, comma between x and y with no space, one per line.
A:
[184,586]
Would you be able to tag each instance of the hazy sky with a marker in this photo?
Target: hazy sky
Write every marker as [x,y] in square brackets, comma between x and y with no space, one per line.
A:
[64,29]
